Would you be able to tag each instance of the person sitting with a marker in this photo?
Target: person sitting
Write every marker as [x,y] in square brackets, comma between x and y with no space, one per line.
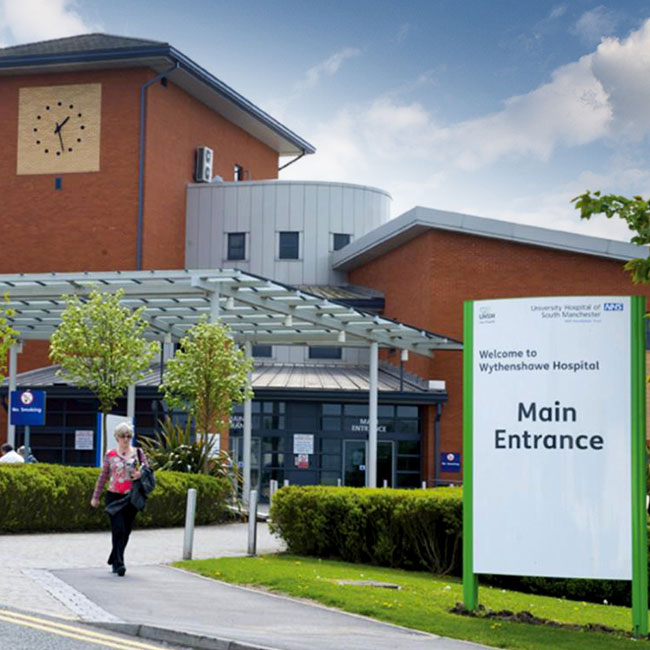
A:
[8,455]
[30,458]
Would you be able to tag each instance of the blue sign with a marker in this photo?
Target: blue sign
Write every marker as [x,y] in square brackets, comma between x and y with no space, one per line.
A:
[27,407]
[450,461]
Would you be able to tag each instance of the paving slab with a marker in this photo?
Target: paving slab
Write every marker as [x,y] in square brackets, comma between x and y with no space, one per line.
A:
[167,598]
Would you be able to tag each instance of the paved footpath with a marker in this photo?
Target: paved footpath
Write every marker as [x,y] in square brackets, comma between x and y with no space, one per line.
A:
[67,575]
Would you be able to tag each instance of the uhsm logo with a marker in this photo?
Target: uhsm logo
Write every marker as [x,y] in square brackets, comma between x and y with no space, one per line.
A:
[486,313]
[613,306]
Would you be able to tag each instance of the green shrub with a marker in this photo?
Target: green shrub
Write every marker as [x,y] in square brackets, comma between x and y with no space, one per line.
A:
[49,498]
[396,528]
[404,528]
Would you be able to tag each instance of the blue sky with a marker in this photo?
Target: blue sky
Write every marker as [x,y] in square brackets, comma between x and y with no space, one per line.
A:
[498,108]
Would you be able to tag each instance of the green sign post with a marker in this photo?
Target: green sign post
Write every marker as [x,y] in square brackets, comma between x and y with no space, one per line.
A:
[554,442]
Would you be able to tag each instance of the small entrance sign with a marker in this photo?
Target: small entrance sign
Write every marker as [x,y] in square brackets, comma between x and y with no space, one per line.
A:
[27,407]
[450,462]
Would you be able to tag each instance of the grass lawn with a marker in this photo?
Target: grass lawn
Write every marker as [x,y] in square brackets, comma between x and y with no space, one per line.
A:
[423,602]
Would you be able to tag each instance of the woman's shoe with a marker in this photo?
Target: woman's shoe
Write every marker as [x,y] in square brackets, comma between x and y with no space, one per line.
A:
[121,570]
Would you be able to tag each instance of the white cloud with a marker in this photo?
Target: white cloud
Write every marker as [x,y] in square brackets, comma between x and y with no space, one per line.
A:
[595,24]
[557,12]
[398,145]
[25,21]
[328,67]
[402,32]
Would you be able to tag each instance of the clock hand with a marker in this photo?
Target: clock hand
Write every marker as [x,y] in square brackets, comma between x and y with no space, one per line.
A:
[60,139]
[60,126]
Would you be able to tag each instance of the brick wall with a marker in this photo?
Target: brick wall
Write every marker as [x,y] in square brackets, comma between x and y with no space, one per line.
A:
[426,280]
[90,224]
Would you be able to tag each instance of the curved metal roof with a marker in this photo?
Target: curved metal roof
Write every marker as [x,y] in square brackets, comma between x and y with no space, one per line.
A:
[257,310]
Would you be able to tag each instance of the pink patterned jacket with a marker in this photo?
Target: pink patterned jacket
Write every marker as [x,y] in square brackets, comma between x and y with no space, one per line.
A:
[118,471]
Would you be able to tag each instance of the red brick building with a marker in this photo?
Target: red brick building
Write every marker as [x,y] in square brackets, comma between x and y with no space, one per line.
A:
[427,262]
[111,195]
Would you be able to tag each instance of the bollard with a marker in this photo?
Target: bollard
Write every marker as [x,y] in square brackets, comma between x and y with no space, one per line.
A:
[190,510]
[273,488]
[385,482]
[424,485]
[338,482]
[286,482]
[252,523]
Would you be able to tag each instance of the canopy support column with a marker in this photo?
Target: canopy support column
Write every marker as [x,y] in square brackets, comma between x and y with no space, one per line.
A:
[372,416]
[13,372]
[248,428]
[130,403]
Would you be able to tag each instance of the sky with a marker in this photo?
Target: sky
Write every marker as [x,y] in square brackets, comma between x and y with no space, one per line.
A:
[497,108]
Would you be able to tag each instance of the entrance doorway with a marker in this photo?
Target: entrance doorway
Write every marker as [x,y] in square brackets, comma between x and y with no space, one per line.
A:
[355,454]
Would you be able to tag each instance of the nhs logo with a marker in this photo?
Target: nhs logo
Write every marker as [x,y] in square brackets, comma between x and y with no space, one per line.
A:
[613,306]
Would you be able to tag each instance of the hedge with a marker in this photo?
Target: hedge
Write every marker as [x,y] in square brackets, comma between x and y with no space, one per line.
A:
[411,529]
[56,498]
[418,529]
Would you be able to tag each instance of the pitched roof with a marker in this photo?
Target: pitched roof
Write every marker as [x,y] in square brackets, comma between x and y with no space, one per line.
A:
[83,43]
[93,51]
[418,220]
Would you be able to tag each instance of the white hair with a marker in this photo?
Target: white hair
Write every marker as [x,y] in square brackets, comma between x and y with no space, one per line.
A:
[123,427]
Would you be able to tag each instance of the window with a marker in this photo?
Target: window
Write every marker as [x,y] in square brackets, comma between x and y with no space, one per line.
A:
[289,245]
[236,246]
[324,352]
[340,240]
[238,173]
[262,351]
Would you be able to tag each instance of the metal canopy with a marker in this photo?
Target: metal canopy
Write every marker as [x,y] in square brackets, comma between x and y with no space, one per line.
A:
[257,310]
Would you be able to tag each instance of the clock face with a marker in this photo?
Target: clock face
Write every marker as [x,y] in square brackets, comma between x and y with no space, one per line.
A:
[59,129]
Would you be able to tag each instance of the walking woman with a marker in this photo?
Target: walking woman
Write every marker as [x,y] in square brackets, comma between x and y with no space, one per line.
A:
[121,467]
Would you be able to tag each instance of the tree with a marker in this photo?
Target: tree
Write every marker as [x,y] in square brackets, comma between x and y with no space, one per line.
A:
[635,212]
[208,376]
[8,335]
[99,345]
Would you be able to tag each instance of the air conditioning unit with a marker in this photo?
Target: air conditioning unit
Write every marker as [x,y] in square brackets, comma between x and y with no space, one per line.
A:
[203,168]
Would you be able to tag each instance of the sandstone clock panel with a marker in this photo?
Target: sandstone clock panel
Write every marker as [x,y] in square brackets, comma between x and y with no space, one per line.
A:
[59,129]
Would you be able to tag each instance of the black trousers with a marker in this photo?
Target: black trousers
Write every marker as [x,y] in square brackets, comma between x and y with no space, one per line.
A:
[121,525]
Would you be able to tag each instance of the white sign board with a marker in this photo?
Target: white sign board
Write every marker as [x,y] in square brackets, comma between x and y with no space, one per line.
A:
[84,439]
[551,437]
[303,443]
[213,439]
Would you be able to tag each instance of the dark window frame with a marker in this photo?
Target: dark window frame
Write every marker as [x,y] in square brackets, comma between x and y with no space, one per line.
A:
[325,352]
[340,240]
[258,351]
[289,245]
[232,248]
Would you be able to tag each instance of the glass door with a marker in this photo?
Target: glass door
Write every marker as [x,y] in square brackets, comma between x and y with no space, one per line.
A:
[385,463]
[354,463]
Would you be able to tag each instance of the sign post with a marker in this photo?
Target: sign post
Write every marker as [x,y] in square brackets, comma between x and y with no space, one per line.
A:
[27,408]
[554,442]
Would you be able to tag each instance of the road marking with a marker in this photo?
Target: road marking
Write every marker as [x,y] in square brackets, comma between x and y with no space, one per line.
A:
[74,600]
[73,632]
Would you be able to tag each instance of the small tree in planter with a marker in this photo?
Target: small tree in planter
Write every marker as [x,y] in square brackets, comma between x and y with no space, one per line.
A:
[208,375]
[99,345]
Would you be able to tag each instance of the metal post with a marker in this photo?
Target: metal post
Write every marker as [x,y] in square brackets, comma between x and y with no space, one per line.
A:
[371,472]
[248,427]
[286,482]
[385,483]
[214,305]
[27,445]
[252,523]
[190,510]
[130,403]
[273,487]
[13,365]
[424,485]
[338,482]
